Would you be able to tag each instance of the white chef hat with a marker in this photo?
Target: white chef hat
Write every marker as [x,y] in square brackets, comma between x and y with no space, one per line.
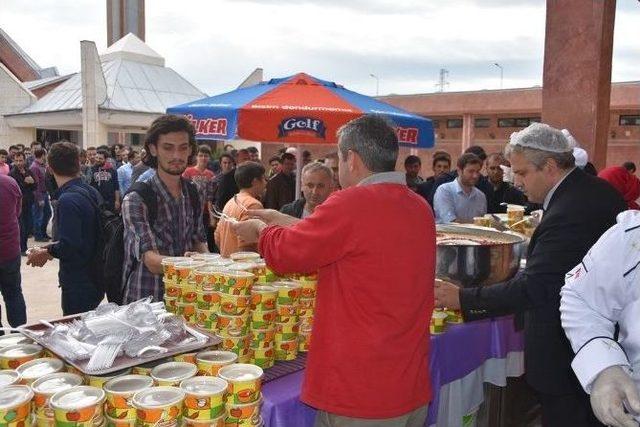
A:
[541,137]
[581,157]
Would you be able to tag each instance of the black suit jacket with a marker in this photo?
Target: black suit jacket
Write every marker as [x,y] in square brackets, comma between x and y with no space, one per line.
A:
[581,209]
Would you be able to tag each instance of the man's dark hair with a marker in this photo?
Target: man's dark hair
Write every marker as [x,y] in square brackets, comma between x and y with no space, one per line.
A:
[412,160]
[20,146]
[287,156]
[18,154]
[204,149]
[91,148]
[35,143]
[478,151]
[3,152]
[13,147]
[306,153]
[103,147]
[64,159]
[39,152]
[441,158]
[104,153]
[375,141]
[274,159]
[228,156]
[163,125]
[630,166]
[252,150]
[468,159]
[118,146]
[132,154]
[246,172]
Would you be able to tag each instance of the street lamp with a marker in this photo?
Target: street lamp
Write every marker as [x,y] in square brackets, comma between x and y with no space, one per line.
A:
[501,73]
[377,83]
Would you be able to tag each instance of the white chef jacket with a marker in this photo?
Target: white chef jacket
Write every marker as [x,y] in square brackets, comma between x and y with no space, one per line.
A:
[604,289]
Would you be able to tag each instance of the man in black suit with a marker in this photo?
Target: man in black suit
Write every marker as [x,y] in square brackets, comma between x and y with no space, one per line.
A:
[578,209]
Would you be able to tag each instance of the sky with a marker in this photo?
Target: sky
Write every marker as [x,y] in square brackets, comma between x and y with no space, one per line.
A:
[216,44]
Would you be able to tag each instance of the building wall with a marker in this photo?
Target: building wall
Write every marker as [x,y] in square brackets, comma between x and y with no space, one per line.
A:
[13,98]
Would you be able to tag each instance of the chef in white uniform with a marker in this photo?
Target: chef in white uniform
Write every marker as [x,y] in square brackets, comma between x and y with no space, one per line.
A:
[604,289]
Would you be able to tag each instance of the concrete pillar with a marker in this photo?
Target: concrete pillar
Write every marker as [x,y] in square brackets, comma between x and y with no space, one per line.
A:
[94,93]
[577,71]
[467,131]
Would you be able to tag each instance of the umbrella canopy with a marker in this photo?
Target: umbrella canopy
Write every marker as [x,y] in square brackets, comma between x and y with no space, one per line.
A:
[299,109]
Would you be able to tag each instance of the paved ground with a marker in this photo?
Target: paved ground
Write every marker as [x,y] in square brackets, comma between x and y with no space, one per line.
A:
[40,289]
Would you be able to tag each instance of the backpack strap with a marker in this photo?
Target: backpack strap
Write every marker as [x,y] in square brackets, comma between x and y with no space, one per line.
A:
[194,197]
[148,195]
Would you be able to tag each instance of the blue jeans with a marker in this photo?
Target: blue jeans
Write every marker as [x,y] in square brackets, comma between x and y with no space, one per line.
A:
[10,287]
[26,225]
[41,217]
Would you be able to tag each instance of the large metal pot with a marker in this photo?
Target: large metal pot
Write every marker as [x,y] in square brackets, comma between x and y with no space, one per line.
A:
[477,265]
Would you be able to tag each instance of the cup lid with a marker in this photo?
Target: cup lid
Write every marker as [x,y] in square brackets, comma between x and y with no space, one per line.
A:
[157,397]
[204,386]
[244,255]
[14,395]
[286,284]
[8,376]
[174,371]
[40,367]
[206,256]
[20,350]
[208,268]
[13,339]
[237,273]
[188,263]
[173,259]
[240,372]
[220,262]
[53,383]
[128,384]
[263,288]
[217,356]
[77,398]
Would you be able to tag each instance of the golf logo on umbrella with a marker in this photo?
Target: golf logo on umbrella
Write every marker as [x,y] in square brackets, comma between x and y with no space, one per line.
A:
[301,125]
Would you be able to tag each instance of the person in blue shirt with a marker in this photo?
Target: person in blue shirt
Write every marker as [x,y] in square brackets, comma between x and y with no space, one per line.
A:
[459,200]
[126,170]
[77,232]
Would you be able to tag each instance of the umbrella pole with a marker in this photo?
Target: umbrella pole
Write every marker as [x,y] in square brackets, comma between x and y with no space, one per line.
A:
[298,170]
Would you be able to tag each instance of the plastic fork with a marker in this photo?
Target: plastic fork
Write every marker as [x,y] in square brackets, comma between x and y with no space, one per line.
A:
[223,216]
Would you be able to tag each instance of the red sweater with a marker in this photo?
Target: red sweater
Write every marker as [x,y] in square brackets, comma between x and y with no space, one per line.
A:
[374,247]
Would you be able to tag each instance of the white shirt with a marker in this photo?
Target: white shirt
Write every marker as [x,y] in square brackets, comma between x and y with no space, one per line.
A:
[451,203]
[600,291]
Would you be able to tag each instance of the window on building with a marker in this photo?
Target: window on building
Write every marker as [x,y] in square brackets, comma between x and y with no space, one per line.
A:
[629,120]
[535,119]
[506,123]
[481,123]
[522,122]
[435,123]
[136,138]
[454,123]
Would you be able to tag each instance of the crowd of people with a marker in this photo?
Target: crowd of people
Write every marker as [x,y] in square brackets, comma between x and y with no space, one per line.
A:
[171,198]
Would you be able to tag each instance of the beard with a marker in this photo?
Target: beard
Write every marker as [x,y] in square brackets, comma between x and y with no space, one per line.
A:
[175,170]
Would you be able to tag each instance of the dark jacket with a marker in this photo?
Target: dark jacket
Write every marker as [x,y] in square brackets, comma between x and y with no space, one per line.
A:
[138,170]
[295,208]
[225,188]
[26,189]
[77,226]
[582,208]
[506,193]
[281,189]
[424,189]
[483,185]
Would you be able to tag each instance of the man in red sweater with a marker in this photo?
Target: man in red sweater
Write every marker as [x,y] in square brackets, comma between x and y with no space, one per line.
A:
[373,244]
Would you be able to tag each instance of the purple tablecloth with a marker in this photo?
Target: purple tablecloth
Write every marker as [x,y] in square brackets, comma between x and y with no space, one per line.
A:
[454,354]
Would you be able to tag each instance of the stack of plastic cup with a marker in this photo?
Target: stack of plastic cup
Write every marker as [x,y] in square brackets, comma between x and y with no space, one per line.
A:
[171,289]
[263,273]
[187,301]
[233,314]
[307,308]
[287,319]
[263,332]
[207,281]
[244,396]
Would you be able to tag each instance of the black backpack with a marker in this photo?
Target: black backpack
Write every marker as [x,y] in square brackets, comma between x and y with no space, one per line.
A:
[106,267]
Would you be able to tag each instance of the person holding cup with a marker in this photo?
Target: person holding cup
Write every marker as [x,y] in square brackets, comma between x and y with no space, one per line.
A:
[357,313]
